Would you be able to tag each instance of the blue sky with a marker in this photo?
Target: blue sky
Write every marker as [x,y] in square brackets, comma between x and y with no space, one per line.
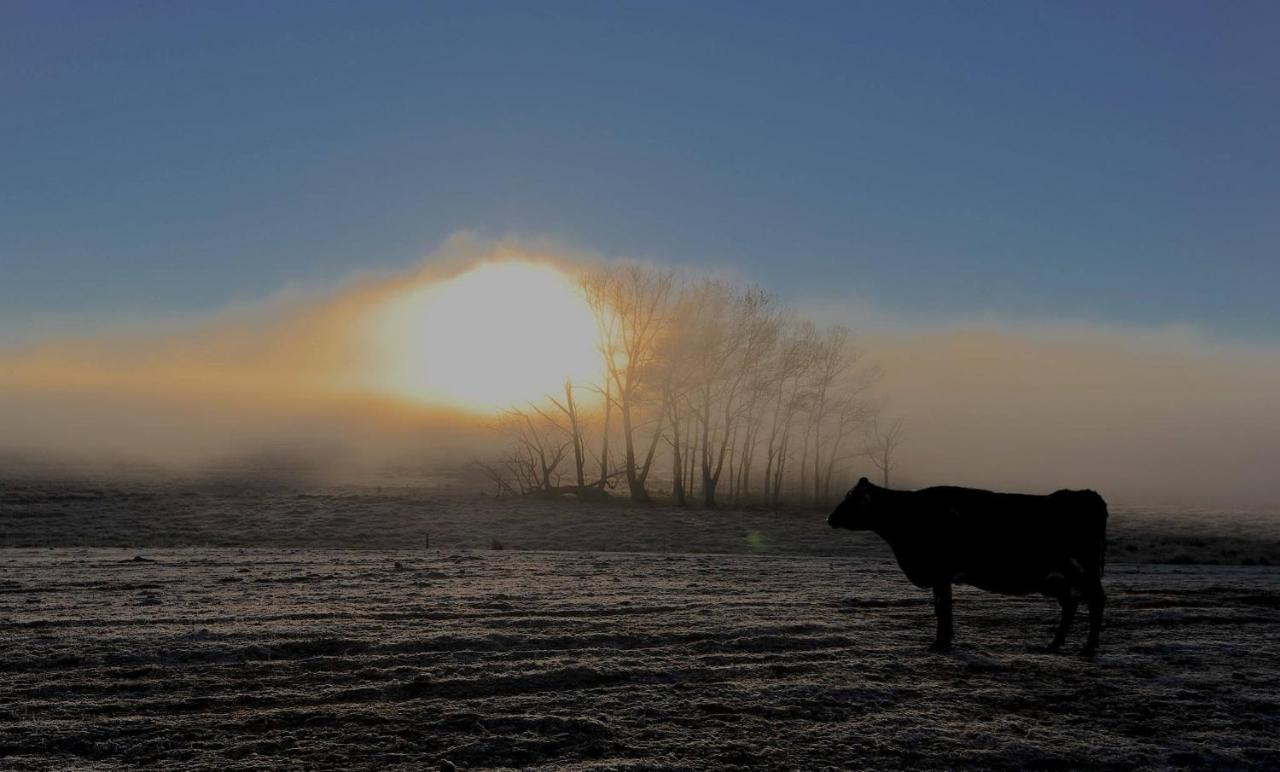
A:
[1114,163]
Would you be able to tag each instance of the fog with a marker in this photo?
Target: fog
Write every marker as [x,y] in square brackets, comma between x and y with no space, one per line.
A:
[1141,417]
[289,383]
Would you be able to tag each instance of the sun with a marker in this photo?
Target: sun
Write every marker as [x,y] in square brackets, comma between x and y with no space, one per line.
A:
[498,335]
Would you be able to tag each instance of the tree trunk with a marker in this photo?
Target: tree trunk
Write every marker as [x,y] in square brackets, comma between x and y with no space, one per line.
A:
[634,484]
[691,454]
[804,462]
[579,452]
[677,462]
[604,443]
[780,472]
[704,454]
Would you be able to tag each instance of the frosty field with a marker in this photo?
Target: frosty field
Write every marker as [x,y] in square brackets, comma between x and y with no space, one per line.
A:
[234,658]
[216,625]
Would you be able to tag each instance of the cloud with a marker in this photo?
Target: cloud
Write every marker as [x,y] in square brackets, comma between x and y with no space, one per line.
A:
[285,377]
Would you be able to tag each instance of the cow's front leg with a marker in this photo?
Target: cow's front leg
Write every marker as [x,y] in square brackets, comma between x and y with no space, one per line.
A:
[942,607]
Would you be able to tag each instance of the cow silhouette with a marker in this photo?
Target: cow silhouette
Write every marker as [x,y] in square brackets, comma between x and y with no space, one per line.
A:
[1008,543]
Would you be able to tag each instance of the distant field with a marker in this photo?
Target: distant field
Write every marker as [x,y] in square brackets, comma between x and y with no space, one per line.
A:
[60,514]
[282,658]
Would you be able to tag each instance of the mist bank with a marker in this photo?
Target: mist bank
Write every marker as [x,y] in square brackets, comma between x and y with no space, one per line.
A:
[316,441]
[1141,417]
[294,385]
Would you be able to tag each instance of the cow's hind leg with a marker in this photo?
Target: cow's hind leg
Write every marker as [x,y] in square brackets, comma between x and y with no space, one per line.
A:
[942,608]
[1068,604]
[1097,600]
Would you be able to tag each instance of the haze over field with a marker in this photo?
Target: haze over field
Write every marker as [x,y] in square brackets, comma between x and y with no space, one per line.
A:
[409,369]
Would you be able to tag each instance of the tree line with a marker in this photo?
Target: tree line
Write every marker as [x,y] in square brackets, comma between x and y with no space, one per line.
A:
[709,392]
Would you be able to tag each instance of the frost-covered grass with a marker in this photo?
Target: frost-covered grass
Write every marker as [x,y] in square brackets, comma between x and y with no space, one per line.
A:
[297,658]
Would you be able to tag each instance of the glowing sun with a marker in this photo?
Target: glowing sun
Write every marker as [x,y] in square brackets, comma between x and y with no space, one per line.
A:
[495,336]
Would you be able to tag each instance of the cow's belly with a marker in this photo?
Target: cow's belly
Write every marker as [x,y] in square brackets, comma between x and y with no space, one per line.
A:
[1005,584]
[1034,569]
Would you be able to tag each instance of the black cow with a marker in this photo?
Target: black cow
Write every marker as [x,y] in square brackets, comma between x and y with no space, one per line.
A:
[1000,542]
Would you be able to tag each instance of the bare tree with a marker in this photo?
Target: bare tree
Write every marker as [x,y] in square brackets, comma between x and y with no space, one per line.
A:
[790,366]
[573,428]
[850,411]
[759,325]
[705,376]
[734,332]
[833,357]
[713,303]
[497,474]
[882,444]
[630,304]
[678,367]
[753,417]
[538,450]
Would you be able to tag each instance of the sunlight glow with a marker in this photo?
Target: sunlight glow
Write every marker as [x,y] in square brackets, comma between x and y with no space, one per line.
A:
[498,335]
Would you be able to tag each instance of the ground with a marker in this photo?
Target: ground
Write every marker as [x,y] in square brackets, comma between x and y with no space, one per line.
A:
[764,655]
[38,513]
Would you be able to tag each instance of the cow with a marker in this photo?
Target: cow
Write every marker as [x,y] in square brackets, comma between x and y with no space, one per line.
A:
[1008,543]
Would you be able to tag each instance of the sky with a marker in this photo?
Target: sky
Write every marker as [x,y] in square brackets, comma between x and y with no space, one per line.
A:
[1100,163]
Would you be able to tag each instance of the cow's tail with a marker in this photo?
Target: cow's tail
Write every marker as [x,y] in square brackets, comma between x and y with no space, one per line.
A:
[1102,553]
[1102,514]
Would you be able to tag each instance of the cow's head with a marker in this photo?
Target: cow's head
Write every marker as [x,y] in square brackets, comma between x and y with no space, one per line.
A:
[855,512]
